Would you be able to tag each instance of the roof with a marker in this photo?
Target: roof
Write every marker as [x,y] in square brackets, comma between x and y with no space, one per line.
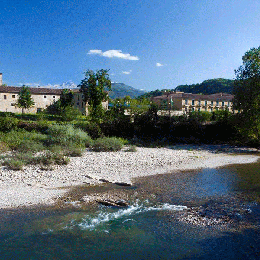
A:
[39,90]
[214,97]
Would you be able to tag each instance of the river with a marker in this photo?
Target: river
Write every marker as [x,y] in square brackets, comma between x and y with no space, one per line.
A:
[204,214]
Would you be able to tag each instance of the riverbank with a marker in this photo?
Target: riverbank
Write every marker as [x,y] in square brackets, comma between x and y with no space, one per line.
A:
[34,185]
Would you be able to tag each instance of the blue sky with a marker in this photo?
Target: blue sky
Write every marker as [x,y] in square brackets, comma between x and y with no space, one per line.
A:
[147,44]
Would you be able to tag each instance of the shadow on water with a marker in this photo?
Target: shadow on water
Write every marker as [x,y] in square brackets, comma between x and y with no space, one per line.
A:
[206,214]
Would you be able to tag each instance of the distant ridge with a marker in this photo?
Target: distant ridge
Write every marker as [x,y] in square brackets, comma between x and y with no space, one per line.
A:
[207,87]
[120,90]
[210,86]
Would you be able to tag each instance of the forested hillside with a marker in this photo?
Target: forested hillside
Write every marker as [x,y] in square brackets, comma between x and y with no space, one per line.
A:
[120,90]
[209,86]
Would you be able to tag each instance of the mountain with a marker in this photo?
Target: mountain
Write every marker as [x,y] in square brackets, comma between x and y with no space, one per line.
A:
[120,90]
[209,86]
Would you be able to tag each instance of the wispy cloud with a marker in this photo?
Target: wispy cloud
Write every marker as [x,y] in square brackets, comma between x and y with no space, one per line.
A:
[113,54]
[127,72]
[158,64]
[29,84]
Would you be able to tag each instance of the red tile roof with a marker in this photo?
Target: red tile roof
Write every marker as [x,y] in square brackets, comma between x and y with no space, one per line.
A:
[39,90]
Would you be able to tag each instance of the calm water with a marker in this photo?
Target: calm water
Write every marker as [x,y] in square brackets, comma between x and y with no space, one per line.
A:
[208,214]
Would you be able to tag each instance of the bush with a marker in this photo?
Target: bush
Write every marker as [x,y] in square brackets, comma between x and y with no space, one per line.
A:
[107,144]
[131,148]
[3,147]
[93,129]
[67,134]
[8,123]
[30,145]
[70,113]
[14,164]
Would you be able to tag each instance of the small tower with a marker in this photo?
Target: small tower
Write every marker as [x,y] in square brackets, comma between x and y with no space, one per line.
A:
[1,79]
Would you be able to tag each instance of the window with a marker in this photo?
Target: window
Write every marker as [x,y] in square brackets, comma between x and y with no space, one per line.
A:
[216,103]
[205,102]
[44,96]
[228,104]
[13,96]
[4,96]
[212,103]
[199,102]
[192,102]
[186,101]
[53,96]
[12,104]
[82,104]
[223,103]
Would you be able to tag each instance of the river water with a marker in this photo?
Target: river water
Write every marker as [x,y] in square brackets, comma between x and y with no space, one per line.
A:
[205,214]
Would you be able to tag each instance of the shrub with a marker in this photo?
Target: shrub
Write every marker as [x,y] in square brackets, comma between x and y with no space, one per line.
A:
[50,158]
[73,151]
[107,144]
[8,123]
[30,145]
[14,164]
[70,113]
[93,129]
[66,134]
[131,148]
[3,147]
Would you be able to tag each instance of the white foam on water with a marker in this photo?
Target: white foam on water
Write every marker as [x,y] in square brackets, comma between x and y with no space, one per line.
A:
[90,222]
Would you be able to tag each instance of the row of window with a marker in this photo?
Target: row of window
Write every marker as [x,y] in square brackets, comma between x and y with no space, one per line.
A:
[13,96]
[206,103]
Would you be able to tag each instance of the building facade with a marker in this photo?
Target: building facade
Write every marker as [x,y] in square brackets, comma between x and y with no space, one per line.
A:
[187,102]
[42,97]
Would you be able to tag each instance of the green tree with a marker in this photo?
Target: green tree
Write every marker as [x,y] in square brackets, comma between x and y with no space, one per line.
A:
[25,100]
[247,92]
[66,98]
[92,86]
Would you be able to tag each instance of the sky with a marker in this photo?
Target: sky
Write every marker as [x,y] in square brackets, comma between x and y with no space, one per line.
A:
[146,44]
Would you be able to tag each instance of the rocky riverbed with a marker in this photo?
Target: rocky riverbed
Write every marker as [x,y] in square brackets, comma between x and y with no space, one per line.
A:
[34,185]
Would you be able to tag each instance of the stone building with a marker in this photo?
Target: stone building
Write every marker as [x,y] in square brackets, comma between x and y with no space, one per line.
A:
[186,102]
[43,97]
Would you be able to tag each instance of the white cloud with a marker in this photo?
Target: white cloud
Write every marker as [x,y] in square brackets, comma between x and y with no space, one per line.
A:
[127,72]
[113,54]
[159,64]
[95,52]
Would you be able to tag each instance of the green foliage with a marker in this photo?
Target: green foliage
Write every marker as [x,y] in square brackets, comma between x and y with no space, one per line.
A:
[131,148]
[70,113]
[107,144]
[30,145]
[25,100]
[14,164]
[8,123]
[209,86]
[67,134]
[3,147]
[92,128]
[247,92]
[199,116]
[93,86]
[66,98]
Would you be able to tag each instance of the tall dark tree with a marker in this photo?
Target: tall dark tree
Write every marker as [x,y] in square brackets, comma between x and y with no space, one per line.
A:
[92,86]
[247,91]
[25,100]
